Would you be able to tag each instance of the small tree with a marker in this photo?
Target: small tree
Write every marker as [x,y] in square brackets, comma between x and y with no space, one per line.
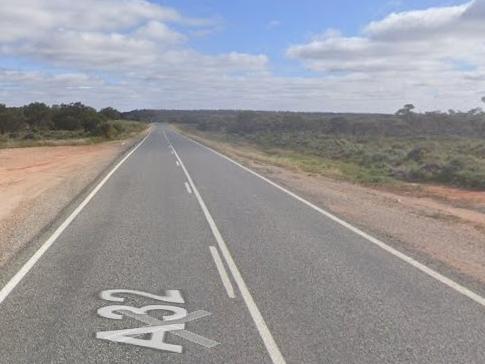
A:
[76,116]
[110,113]
[38,115]
[406,110]
[11,119]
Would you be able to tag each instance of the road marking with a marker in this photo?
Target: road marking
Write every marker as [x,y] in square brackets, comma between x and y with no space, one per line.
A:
[187,187]
[157,329]
[185,334]
[178,164]
[222,272]
[423,268]
[12,283]
[258,319]
[171,295]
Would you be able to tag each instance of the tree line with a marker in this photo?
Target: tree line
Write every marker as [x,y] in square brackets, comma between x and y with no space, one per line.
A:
[404,123]
[38,117]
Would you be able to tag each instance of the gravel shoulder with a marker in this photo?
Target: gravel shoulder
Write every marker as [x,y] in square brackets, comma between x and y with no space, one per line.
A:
[441,226]
[37,183]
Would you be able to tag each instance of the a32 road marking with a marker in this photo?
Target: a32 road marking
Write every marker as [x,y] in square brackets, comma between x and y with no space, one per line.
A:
[156,329]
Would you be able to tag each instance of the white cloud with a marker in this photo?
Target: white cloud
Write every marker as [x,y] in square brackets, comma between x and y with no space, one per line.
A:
[439,50]
[108,35]
[413,25]
[134,54]
[273,24]
[157,31]
[133,42]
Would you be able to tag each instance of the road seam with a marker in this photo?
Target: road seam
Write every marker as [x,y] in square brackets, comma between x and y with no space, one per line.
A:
[258,319]
[15,280]
[413,262]
[222,272]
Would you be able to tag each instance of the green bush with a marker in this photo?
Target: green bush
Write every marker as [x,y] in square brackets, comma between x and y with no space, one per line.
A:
[106,130]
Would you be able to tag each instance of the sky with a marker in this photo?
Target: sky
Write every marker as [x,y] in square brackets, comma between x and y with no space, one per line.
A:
[306,55]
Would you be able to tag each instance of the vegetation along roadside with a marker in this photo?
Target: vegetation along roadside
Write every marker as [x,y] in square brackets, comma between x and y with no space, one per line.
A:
[432,147]
[38,124]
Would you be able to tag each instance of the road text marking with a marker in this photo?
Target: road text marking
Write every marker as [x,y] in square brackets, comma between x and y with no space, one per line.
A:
[156,329]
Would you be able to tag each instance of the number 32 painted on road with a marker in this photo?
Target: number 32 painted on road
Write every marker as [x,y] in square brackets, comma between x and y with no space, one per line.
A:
[157,329]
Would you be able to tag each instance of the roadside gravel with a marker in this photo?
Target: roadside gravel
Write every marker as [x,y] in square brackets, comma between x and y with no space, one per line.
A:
[37,183]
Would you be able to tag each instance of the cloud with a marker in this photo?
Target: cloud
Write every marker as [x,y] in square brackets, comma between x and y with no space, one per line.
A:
[273,24]
[132,52]
[135,54]
[413,41]
[30,19]
[157,31]
[131,37]
[441,49]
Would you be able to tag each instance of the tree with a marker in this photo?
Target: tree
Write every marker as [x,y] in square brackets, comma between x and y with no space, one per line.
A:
[110,113]
[38,115]
[406,110]
[11,119]
[475,111]
[76,116]
[245,123]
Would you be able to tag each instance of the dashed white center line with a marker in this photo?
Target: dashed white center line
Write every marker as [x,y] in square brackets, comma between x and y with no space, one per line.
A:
[268,340]
[187,187]
[222,272]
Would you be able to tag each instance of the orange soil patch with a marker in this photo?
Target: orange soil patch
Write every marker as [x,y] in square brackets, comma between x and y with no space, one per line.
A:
[37,182]
[25,173]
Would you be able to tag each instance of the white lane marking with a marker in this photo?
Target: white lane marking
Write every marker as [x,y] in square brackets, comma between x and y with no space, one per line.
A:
[269,342]
[12,283]
[178,164]
[222,272]
[432,273]
[187,187]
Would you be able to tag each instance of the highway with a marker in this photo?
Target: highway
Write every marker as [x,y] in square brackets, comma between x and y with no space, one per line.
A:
[182,256]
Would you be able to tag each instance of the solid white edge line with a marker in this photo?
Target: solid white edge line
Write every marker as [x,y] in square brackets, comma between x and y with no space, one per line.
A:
[15,280]
[432,273]
[222,272]
[268,340]
[187,187]
[178,164]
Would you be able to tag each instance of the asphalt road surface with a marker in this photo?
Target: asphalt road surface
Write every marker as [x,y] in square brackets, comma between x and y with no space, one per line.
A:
[182,256]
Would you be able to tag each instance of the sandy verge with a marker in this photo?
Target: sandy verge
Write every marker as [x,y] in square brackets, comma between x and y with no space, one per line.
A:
[37,183]
[442,223]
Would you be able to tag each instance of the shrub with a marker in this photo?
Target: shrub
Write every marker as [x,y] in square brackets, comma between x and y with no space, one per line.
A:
[106,130]
[66,122]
